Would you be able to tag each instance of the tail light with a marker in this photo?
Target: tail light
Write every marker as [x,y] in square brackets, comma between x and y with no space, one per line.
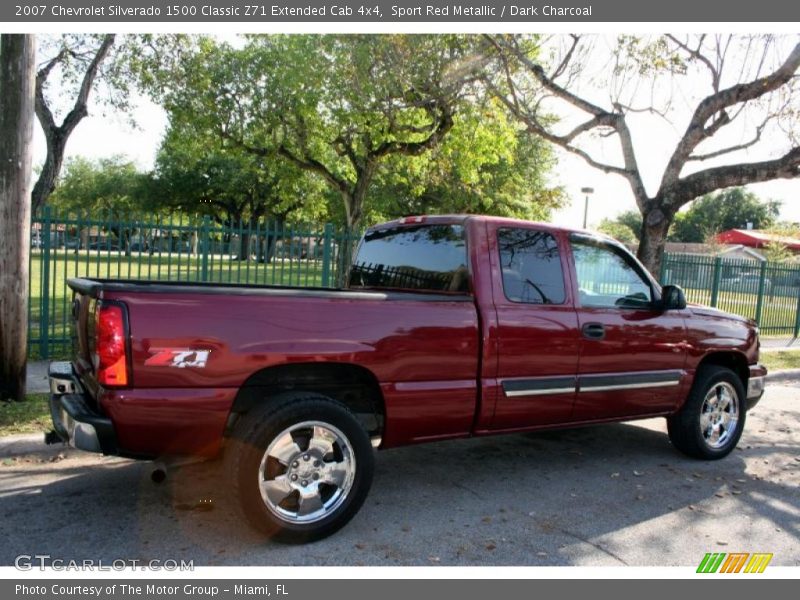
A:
[110,354]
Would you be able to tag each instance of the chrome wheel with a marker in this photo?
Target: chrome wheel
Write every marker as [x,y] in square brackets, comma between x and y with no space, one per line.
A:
[719,414]
[307,472]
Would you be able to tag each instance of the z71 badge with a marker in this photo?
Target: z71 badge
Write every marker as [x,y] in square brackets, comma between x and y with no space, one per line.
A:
[177,357]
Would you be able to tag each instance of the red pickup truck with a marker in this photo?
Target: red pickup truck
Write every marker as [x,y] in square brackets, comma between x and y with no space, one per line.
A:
[450,327]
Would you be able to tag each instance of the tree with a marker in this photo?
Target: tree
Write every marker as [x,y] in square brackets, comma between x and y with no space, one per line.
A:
[338,107]
[109,184]
[619,231]
[17,67]
[199,172]
[78,64]
[778,250]
[625,227]
[81,58]
[752,81]
[486,165]
[729,209]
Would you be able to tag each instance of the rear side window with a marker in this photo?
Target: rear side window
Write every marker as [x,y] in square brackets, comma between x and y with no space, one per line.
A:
[531,266]
[429,258]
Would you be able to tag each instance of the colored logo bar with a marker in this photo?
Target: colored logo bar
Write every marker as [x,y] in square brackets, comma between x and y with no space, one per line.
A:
[734,562]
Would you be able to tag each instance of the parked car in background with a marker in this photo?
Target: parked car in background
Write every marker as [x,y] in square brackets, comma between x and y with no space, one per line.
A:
[746,282]
[104,245]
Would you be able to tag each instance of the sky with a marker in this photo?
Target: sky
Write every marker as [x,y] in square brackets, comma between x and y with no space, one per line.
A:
[101,136]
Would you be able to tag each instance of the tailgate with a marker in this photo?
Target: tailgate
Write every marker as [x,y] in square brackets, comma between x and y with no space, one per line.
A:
[82,316]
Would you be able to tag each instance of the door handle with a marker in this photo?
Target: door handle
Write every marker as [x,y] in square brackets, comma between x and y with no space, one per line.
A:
[593,331]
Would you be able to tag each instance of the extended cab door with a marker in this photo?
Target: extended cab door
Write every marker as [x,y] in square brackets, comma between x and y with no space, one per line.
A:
[632,353]
[537,329]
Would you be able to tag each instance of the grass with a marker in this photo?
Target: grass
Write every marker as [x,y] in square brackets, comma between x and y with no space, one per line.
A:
[31,416]
[775,361]
[778,313]
[65,264]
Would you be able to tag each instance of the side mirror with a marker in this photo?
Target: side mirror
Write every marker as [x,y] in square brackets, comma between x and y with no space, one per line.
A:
[672,298]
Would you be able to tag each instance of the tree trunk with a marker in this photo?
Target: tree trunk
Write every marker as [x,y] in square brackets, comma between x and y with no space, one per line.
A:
[354,211]
[17,75]
[655,226]
[244,245]
[354,202]
[266,246]
[46,183]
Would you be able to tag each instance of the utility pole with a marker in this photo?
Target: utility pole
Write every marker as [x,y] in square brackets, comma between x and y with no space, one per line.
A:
[17,84]
[587,191]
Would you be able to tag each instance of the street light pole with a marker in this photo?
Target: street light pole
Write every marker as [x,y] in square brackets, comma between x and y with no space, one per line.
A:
[587,191]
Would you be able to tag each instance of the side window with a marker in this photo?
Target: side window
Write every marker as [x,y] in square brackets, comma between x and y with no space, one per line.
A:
[531,266]
[607,278]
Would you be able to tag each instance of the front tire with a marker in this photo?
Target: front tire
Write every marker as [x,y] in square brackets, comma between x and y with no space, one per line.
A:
[301,466]
[710,423]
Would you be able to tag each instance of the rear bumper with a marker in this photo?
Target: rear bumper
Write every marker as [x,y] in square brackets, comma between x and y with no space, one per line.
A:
[755,384]
[74,420]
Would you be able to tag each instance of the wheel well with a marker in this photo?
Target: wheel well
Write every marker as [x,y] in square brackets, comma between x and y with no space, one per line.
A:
[731,360]
[352,385]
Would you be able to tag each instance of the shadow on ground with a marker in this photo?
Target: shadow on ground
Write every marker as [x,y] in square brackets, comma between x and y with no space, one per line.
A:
[617,494]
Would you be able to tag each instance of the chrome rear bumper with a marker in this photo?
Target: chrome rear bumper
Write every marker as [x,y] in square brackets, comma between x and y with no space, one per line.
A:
[74,420]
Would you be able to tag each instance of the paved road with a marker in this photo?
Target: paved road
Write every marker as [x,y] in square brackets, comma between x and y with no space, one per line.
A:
[610,495]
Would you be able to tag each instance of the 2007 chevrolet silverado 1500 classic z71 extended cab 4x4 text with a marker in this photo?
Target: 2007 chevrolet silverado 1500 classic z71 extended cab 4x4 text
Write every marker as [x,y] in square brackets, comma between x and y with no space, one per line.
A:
[451,326]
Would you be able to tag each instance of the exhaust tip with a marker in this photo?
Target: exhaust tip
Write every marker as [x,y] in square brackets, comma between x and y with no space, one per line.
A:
[52,437]
[158,475]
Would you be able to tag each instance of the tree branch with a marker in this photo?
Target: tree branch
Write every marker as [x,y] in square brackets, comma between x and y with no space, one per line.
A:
[701,57]
[708,180]
[567,57]
[736,148]
[444,123]
[716,103]
[315,166]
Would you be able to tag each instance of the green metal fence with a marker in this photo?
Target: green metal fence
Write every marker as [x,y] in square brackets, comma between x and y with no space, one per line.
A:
[182,248]
[177,248]
[766,292]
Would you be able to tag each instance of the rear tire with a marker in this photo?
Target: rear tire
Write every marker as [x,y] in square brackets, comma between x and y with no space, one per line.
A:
[710,423]
[301,466]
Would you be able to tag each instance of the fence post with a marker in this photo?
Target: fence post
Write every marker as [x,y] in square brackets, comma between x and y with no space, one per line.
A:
[44,304]
[204,244]
[762,274]
[797,316]
[327,243]
[715,280]
[663,269]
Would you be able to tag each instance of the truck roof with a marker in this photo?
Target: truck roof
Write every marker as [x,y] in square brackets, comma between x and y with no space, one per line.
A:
[461,218]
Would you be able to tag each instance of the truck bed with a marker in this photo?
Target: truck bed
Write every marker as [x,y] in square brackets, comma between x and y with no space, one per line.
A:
[422,350]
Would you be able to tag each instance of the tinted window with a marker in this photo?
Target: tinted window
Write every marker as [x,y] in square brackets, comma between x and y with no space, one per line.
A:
[424,257]
[607,278]
[531,266]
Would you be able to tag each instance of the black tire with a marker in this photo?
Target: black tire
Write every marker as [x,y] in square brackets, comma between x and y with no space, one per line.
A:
[348,457]
[686,427]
